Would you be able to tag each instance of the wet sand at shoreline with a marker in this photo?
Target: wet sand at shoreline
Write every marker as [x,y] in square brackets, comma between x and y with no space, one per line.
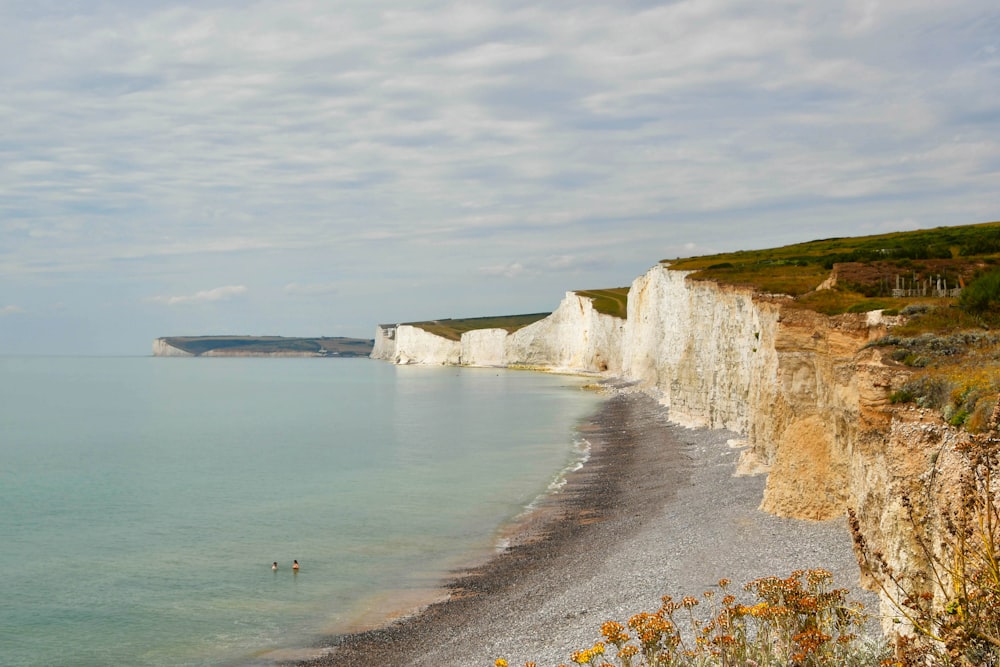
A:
[656,510]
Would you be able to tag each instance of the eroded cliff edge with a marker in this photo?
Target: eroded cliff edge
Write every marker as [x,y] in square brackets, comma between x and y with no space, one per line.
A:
[811,399]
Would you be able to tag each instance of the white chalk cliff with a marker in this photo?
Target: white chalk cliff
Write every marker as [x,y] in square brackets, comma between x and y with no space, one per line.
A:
[809,397]
[575,338]
[161,348]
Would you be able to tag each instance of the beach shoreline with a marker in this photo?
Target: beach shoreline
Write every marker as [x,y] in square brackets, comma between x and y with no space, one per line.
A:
[655,510]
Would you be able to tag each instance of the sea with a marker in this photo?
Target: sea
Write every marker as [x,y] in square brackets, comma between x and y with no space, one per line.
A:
[143,500]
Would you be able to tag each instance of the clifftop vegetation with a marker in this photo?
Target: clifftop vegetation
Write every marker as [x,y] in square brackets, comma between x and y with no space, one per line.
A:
[271,345]
[613,301]
[862,273]
[943,282]
[453,329]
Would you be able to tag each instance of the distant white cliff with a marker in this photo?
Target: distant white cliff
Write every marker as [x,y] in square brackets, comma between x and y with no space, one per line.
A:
[161,348]
[575,337]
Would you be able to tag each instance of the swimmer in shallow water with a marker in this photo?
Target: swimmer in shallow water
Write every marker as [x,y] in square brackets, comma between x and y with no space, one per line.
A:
[295,565]
[274,566]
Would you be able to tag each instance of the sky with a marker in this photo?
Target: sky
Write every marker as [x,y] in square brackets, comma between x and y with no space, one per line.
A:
[318,167]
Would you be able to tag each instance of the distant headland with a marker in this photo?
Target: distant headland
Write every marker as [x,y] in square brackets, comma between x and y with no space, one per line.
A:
[261,346]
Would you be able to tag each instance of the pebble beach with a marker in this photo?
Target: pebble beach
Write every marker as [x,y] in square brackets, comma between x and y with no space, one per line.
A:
[657,510]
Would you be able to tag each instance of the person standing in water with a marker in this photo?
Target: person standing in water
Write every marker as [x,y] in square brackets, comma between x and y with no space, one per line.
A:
[274,566]
[295,566]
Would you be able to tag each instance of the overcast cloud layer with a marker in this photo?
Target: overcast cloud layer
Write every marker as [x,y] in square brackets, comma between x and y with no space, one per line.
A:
[306,167]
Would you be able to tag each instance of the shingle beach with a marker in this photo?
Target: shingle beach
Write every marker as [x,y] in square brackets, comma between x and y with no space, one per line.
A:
[656,510]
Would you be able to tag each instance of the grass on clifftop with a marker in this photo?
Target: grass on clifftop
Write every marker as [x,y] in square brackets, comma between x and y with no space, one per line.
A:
[867,268]
[613,301]
[332,346]
[453,329]
[952,343]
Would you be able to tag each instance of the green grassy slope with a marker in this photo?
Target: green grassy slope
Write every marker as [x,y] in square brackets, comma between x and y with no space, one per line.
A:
[867,267]
[453,329]
[612,301]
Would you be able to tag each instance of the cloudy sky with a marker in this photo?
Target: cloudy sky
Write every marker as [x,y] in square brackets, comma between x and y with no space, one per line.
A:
[315,167]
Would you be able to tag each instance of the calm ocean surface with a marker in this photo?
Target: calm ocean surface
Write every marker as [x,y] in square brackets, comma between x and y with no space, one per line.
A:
[142,500]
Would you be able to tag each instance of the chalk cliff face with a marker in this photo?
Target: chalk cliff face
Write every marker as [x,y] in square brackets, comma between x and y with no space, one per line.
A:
[795,382]
[810,399]
[484,347]
[575,337]
[413,345]
[706,350]
[162,348]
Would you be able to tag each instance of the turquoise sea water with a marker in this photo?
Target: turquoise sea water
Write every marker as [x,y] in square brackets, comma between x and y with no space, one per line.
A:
[142,500]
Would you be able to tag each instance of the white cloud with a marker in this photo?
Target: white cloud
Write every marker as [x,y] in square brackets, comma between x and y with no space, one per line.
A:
[204,296]
[561,262]
[315,289]
[511,270]
[539,266]
[411,145]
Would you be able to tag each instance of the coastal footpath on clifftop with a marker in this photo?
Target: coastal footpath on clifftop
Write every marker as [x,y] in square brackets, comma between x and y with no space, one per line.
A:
[817,396]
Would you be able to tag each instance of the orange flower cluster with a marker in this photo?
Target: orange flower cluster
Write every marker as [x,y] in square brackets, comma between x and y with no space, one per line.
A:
[614,633]
[651,629]
[797,620]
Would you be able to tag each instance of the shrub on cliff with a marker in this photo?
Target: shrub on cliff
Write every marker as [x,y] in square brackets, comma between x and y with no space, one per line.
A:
[961,377]
[982,295]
